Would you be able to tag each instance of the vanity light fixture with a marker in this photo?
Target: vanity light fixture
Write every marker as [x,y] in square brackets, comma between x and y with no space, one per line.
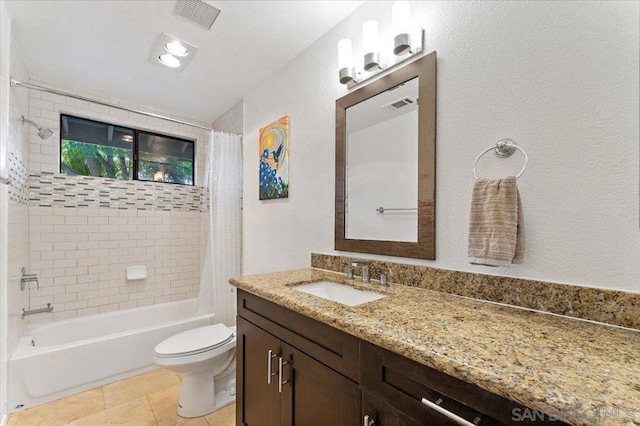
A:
[405,47]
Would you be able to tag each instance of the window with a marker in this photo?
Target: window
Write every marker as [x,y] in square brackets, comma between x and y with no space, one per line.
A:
[92,148]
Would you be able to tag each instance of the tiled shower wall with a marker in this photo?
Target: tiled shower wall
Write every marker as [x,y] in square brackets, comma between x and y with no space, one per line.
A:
[85,231]
[231,121]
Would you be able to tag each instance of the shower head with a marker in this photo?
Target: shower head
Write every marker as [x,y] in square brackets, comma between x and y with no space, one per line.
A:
[45,133]
[42,132]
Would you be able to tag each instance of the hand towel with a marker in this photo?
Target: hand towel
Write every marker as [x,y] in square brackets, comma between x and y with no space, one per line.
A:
[496,232]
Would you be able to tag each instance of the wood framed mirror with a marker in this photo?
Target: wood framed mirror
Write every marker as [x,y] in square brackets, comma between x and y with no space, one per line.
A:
[385,164]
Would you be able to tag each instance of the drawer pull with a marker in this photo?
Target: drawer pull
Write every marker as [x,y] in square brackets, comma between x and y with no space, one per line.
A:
[447,413]
[368,421]
[281,363]
[270,374]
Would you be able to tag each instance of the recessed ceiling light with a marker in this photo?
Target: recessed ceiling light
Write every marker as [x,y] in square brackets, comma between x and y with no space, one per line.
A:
[127,138]
[171,52]
[176,48]
[169,60]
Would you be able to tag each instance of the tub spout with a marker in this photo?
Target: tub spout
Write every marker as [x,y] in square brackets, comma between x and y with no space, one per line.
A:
[48,309]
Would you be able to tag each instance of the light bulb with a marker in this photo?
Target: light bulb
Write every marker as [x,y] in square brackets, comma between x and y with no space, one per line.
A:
[169,60]
[176,48]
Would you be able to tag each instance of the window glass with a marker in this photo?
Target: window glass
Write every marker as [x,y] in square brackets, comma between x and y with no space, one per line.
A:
[165,159]
[91,148]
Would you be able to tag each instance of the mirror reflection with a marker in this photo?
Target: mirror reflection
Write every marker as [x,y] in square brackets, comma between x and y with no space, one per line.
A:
[382,165]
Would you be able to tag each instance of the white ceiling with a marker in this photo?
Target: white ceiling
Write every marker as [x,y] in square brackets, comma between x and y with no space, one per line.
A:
[103,47]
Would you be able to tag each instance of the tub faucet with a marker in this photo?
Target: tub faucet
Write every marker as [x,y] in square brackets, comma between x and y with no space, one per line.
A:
[364,267]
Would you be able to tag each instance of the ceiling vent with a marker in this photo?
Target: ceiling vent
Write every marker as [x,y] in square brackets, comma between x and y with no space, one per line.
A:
[197,12]
[400,103]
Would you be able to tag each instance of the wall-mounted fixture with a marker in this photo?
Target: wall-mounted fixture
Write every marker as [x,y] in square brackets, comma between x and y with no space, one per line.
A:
[172,52]
[404,47]
[43,133]
[27,278]
[46,310]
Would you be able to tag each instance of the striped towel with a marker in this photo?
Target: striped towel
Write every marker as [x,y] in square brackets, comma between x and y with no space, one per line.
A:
[496,233]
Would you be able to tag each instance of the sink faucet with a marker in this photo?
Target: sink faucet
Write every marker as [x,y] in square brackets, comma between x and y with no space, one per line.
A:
[364,267]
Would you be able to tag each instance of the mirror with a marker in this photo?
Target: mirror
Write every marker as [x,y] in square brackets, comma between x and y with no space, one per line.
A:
[385,164]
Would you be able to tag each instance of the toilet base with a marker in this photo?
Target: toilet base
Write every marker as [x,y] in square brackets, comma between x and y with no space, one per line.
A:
[198,396]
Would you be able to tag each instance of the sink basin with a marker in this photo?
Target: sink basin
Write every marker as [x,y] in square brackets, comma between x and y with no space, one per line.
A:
[340,293]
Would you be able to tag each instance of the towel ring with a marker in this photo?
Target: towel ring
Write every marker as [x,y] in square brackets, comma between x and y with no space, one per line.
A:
[504,148]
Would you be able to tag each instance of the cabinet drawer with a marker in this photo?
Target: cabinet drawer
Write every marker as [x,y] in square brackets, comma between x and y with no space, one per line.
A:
[403,383]
[384,414]
[332,347]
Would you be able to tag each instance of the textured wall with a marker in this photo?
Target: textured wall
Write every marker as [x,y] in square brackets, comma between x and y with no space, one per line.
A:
[560,78]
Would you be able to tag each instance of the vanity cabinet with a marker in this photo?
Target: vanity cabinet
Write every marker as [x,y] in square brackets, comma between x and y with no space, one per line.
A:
[295,371]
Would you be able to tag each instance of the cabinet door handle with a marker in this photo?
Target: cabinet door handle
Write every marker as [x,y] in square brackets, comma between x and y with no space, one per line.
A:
[281,363]
[368,421]
[270,374]
[447,413]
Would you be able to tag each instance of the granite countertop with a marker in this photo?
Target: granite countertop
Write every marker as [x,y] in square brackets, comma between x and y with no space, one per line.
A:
[581,372]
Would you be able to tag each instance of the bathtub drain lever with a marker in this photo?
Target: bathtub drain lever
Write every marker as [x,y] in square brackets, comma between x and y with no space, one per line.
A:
[48,309]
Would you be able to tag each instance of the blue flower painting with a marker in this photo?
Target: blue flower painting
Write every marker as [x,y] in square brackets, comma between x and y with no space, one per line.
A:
[274,160]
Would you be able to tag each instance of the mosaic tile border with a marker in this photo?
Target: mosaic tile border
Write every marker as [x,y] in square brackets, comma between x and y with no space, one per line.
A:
[607,306]
[58,190]
[18,180]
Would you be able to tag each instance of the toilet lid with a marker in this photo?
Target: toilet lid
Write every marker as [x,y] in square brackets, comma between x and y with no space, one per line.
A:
[195,340]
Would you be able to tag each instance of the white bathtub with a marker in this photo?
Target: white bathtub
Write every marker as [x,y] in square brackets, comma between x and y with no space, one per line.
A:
[74,355]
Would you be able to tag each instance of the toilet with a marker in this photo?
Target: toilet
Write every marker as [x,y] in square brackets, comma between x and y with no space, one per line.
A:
[206,357]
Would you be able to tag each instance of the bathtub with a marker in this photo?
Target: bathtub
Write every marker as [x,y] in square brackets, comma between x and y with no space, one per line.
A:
[65,357]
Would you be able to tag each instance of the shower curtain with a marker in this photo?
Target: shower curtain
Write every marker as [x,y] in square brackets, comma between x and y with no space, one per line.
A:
[221,227]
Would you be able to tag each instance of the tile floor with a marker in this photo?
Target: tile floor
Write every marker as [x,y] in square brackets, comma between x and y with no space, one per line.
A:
[150,399]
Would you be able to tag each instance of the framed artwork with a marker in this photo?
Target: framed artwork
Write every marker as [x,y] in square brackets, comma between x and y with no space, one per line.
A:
[274,160]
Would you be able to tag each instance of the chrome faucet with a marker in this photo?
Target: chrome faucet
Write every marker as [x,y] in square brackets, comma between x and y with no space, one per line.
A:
[364,267]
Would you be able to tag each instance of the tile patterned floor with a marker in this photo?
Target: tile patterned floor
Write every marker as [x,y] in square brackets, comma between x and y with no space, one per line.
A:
[150,399]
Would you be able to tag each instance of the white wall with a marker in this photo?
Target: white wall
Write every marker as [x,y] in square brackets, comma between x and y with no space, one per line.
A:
[559,78]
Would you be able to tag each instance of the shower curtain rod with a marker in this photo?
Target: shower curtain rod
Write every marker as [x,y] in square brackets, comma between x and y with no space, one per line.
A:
[17,83]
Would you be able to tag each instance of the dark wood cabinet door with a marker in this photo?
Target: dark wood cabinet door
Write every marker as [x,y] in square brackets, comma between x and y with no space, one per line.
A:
[315,395]
[258,402]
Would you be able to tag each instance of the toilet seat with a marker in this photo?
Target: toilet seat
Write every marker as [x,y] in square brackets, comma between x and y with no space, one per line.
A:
[195,341]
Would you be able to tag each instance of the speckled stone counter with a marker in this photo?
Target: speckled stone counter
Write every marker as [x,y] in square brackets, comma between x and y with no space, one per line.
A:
[580,372]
